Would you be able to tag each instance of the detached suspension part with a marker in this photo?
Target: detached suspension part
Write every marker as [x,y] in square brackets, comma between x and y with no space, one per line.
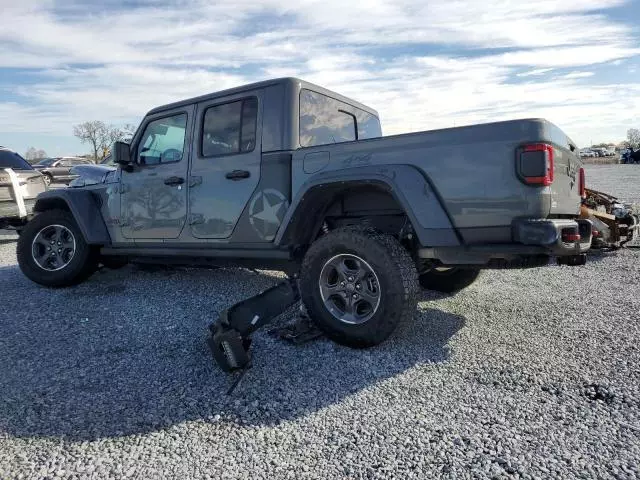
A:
[230,341]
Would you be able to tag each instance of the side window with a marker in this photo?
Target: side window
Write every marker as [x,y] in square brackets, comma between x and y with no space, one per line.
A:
[163,140]
[66,163]
[229,128]
[324,120]
[368,125]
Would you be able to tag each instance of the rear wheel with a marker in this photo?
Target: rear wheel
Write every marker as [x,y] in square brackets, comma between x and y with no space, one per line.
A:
[358,285]
[448,280]
[52,250]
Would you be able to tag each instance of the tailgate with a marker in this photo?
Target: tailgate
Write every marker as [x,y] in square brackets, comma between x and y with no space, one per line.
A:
[31,184]
[552,165]
[565,189]
[6,189]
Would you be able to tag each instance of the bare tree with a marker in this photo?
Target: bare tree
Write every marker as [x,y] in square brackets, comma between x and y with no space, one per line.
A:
[30,154]
[93,133]
[129,131]
[101,136]
[633,138]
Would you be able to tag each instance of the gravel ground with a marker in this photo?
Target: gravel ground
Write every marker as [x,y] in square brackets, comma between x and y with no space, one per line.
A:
[531,374]
[622,181]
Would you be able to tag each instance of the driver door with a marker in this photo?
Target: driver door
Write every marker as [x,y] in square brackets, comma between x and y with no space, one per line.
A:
[154,194]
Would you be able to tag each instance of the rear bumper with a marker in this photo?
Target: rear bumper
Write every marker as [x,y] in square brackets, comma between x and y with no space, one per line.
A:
[552,234]
[534,243]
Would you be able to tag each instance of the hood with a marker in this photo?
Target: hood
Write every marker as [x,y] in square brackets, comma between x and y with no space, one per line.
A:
[90,174]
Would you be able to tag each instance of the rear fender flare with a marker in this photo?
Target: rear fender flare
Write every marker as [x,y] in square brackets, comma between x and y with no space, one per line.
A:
[84,207]
[409,186]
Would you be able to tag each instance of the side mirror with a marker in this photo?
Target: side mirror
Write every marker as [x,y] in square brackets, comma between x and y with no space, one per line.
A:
[121,154]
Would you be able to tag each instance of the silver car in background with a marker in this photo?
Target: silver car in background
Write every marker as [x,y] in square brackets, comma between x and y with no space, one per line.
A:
[20,184]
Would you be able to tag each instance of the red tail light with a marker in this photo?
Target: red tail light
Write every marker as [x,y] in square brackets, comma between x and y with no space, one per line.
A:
[535,164]
[570,235]
[582,183]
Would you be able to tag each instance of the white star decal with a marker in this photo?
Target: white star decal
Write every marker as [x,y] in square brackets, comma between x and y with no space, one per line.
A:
[269,216]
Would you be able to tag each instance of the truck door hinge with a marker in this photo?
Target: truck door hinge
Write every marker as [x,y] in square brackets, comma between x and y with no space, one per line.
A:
[195,180]
[124,188]
[196,218]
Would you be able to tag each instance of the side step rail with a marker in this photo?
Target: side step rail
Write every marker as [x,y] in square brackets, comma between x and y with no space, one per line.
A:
[230,337]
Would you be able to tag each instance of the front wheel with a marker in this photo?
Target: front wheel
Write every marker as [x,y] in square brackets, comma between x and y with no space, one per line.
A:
[448,280]
[48,179]
[52,251]
[358,285]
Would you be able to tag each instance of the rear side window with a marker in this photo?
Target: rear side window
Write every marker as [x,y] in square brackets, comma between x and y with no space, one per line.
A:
[12,160]
[230,128]
[368,125]
[325,120]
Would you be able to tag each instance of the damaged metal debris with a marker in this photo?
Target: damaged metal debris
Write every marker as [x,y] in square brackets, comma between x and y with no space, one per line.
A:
[615,224]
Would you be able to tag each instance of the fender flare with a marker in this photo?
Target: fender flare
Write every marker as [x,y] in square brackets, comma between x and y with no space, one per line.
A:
[85,209]
[409,186]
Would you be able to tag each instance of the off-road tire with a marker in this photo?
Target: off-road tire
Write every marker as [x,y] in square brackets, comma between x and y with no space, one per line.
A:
[449,281]
[81,266]
[394,268]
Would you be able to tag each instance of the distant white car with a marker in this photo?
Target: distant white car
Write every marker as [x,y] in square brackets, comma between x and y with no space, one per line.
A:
[588,153]
[20,184]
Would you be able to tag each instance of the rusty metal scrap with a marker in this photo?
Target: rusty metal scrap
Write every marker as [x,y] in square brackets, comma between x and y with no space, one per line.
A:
[615,223]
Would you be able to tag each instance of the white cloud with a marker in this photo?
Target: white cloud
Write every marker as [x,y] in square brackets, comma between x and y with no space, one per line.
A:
[114,64]
[536,72]
[578,75]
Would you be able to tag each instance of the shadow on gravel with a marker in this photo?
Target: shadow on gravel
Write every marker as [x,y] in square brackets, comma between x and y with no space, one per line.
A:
[596,256]
[125,353]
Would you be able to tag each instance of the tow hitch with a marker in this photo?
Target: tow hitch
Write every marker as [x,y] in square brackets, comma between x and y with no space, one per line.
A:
[573,260]
[230,336]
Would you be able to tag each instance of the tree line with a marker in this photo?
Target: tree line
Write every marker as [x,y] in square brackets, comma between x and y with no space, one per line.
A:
[98,134]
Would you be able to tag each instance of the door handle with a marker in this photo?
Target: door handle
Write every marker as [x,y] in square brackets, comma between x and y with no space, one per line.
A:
[172,181]
[238,174]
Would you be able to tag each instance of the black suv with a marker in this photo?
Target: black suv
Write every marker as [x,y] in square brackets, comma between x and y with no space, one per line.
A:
[58,170]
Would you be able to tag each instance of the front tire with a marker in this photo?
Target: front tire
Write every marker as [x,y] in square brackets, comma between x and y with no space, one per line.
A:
[52,251]
[448,280]
[358,285]
[48,179]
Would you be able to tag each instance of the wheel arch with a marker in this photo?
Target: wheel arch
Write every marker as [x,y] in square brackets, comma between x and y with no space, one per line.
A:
[407,186]
[84,208]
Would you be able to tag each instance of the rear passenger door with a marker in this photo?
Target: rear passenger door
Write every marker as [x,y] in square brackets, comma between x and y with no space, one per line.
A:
[225,167]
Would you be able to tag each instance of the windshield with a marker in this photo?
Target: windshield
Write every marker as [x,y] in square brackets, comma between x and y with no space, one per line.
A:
[9,159]
[46,162]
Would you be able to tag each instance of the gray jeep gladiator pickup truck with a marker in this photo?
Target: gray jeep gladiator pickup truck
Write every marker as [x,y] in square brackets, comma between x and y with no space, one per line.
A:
[287,175]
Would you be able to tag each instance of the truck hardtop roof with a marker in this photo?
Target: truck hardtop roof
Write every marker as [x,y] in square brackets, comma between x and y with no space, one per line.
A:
[289,81]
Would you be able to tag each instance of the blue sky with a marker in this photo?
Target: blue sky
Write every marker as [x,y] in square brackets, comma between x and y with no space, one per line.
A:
[422,65]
